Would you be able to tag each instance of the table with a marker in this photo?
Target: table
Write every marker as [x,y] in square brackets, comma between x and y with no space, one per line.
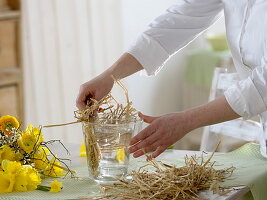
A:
[236,194]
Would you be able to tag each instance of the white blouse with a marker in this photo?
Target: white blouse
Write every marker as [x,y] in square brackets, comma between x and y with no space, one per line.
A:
[246,29]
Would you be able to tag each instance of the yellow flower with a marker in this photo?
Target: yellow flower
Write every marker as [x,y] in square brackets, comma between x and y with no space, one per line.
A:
[21,183]
[54,169]
[35,131]
[18,156]
[83,150]
[55,186]
[6,182]
[27,179]
[32,177]
[6,153]
[27,142]
[7,123]
[11,167]
[120,155]
[57,170]
[33,181]
[40,158]
[30,138]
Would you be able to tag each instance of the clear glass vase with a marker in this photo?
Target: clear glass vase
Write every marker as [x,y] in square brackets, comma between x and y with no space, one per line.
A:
[106,144]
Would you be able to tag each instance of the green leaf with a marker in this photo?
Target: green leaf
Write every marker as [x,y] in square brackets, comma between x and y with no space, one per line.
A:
[43,188]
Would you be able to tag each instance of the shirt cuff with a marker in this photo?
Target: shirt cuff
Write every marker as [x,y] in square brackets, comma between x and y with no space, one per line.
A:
[150,54]
[245,99]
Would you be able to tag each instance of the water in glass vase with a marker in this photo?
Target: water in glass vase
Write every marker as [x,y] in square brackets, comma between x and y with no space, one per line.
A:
[106,147]
[114,158]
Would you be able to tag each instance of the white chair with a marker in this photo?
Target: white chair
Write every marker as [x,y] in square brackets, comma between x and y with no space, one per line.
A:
[231,134]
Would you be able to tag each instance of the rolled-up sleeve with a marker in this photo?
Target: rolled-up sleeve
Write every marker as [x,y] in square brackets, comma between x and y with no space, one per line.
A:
[249,96]
[172,31]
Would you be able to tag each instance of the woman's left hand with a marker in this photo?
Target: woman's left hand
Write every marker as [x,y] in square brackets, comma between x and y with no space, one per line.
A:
[162,132]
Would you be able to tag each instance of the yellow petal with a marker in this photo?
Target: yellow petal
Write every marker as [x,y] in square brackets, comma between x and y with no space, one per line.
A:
[7,123]
[6,153]
[6,182]
[83,150]
[11,167]
[55,186]
[120,155]
[21,183]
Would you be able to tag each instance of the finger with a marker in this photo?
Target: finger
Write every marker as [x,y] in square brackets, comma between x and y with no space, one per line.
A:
[144,143]
[142,135]
[81,98]
[139,153]
[145,150]
[159,150]
[80,102]
[146,118]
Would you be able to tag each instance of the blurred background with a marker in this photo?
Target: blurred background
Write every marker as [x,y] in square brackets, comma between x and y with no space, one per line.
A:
[48,48]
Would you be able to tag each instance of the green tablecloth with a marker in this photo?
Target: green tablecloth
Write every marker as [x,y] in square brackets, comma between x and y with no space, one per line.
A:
[200,66]
[251,170]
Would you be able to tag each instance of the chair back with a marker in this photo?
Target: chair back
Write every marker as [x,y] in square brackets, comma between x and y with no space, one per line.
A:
[231,134]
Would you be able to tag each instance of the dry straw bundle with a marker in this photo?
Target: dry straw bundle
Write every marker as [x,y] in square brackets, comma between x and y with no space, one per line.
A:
[109,111]
[167,182]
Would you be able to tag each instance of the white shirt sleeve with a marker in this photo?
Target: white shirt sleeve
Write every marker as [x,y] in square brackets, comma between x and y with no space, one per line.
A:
[249,96]
[173,30]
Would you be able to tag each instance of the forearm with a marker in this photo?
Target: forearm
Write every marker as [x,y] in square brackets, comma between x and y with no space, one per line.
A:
[214,112]
[125,66]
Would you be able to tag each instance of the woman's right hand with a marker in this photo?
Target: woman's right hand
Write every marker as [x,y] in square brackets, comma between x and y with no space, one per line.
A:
[96,88]
[101,85]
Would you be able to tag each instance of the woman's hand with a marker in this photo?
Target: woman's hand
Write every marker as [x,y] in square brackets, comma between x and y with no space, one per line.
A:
[160,134]
[101,85]
[96,88]
[166,130]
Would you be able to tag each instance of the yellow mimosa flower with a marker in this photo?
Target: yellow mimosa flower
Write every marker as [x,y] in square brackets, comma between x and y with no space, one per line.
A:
[7,123]
[6,182]
[6,153]
[120,155]
[11,167]
[55,186]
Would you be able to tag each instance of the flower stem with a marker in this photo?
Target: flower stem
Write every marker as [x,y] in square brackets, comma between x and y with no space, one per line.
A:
[43,188]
